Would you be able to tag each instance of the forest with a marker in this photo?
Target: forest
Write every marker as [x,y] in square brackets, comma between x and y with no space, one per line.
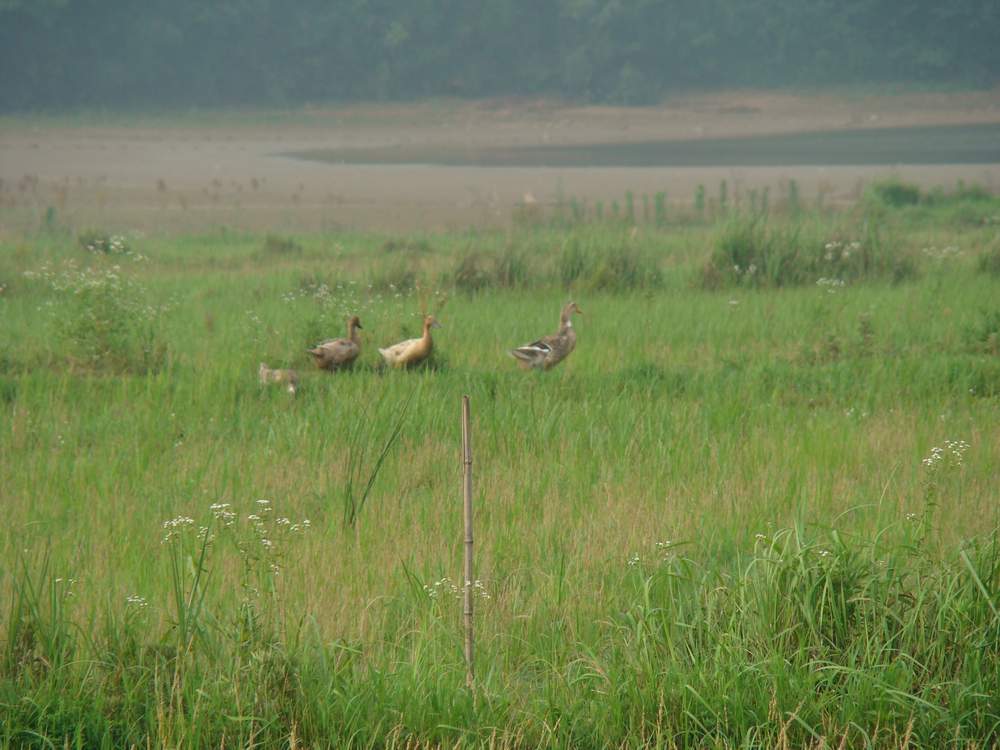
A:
[57,55]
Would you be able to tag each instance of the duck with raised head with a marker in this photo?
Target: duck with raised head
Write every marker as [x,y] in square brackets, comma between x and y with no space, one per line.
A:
[549,351]
[412,351]
[336,354]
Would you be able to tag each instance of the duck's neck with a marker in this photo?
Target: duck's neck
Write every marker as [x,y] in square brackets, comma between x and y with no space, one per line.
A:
[427,334]
[565,321]
[352,332]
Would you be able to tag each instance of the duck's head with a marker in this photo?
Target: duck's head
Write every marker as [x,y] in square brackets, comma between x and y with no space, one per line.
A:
[570,308]
[354,322]
[431,322]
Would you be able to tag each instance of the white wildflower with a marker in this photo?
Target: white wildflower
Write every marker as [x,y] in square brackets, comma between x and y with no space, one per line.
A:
[444,586]
[222,513]
[139,602]
[175,526]
[951,455]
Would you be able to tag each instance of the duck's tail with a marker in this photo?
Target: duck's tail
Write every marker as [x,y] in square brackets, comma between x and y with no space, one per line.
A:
[530,355]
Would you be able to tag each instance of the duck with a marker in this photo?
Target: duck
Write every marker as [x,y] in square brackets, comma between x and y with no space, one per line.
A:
[549,351]
[288,378]
[412,351]
[336,354]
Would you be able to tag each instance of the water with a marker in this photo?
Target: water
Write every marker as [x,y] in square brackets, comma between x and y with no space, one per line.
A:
[958,144]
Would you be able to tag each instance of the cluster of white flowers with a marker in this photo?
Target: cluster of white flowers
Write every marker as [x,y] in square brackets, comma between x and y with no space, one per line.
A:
[176,526]
[136,601]
[343,299]
[259,527]
[321,292]
[445,587]
[266,541]
[831,285]
[99,282]
[442,587]
[950,455]
[943,253]
[293,527]
[665,551]
[749,270]
[114,243]
[837,251]
[222,514]
[665,548]
[71,278]
[67,586]
[268,533]
[478,589]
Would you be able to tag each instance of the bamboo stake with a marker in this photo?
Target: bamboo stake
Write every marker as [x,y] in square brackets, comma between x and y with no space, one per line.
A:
[467,486]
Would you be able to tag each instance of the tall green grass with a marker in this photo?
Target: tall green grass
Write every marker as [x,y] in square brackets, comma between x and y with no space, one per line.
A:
[719,523]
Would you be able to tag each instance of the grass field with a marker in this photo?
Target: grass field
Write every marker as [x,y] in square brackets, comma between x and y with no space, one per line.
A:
[757,507]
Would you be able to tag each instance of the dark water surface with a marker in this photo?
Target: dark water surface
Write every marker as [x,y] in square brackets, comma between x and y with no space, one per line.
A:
[958,144]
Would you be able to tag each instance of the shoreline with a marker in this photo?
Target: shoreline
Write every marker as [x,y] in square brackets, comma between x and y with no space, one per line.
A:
[166,175]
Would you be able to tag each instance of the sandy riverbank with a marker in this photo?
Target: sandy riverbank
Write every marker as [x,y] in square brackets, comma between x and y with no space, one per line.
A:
[195,172]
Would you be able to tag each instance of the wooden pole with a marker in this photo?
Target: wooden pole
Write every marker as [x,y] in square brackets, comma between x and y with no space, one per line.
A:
[468,577]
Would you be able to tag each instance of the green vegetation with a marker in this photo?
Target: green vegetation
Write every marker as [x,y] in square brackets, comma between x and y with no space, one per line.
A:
[752,252]
[741,514]
[62,55]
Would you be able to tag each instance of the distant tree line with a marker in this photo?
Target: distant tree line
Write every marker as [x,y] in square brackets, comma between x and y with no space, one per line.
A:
[125,53]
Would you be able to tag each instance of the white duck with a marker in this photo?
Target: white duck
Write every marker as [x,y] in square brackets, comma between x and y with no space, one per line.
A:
[412,351]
